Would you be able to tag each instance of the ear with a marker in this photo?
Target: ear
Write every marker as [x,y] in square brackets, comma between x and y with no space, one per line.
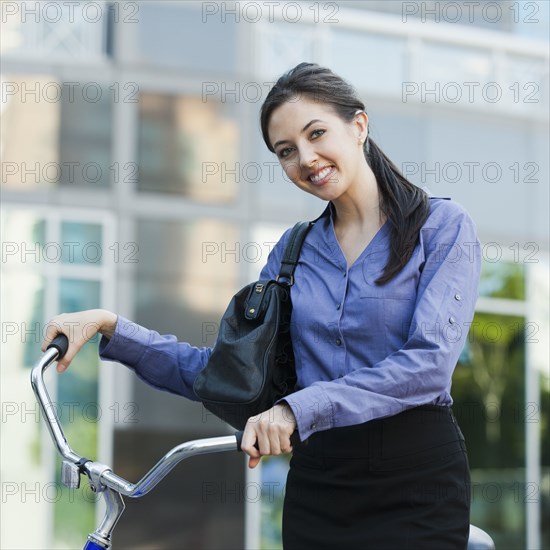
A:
[361,125]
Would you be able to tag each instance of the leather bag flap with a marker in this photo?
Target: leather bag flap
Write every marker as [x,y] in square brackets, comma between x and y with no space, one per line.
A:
[254,301]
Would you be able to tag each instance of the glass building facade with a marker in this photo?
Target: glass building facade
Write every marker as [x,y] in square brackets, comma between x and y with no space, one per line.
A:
[134,178]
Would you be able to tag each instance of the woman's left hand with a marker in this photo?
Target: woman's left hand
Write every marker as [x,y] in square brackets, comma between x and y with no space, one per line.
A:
[268,433]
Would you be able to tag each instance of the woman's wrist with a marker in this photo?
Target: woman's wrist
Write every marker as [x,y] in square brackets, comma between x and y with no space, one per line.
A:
[107,323]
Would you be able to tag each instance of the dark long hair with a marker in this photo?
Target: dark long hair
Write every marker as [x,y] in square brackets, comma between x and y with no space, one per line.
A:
[404,204]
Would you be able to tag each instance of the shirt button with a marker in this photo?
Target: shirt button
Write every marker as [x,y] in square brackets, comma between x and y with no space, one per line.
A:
[458,297]
[338,306]
[313,426]
[452,320]
[338,342]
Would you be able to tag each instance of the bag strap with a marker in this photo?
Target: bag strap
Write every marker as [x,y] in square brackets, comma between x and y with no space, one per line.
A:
[292,251]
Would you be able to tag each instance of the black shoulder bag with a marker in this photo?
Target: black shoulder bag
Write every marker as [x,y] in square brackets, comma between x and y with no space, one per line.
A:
[252,363]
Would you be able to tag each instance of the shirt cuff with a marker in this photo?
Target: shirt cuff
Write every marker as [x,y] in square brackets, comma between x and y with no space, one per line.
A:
[127,345]
[312,409]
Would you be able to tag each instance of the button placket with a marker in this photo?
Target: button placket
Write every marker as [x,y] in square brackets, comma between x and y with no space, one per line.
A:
[339,308]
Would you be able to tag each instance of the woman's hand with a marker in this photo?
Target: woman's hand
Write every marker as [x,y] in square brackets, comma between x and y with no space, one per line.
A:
[270,431]
[79,327]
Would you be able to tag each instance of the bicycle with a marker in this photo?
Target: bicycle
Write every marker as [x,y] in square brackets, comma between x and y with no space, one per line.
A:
[112,487]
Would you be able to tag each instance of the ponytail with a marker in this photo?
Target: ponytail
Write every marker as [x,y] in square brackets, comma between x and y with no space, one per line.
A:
[404,204]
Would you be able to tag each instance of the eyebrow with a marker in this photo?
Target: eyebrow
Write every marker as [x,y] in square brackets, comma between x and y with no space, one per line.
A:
[281,141]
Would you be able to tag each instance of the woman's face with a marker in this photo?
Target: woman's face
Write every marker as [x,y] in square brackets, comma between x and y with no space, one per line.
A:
[320,153]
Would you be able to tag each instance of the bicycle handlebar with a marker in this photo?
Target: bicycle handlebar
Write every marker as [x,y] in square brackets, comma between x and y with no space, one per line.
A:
[101,473]
[61,344]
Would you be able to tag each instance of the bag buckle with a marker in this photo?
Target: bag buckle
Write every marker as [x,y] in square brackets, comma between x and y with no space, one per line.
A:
[290,279]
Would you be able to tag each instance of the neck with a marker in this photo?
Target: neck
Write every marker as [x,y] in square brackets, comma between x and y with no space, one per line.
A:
[359,205]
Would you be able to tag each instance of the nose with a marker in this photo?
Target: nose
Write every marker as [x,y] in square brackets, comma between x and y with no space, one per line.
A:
[308,157]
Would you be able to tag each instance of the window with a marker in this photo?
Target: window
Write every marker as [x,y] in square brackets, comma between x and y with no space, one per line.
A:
[282,47]
[372,62]
[187,147]
[48,268]
[191,38]
[489,392]
[55,30]
[55,133]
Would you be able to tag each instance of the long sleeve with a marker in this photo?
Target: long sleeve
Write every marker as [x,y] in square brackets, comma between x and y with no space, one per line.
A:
[446,266]
[161,361]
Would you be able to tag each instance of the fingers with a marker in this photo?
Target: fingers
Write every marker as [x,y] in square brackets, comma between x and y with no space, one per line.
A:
[266,434]
[63,364]
[79,328]
[253,462]
[53,328]
[248,446]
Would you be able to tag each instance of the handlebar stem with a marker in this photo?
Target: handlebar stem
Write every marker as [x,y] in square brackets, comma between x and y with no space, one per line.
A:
[94,471]
[115,507]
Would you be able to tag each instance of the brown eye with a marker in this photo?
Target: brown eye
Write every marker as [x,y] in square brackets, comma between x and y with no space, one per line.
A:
[284,152]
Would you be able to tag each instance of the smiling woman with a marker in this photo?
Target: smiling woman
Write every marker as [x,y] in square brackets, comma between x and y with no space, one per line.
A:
[383,295]
[375,356]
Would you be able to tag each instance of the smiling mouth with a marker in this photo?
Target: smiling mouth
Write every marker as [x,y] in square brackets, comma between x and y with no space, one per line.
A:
[322,176]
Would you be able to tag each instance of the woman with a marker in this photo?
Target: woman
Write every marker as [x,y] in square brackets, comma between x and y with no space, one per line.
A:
[383,296]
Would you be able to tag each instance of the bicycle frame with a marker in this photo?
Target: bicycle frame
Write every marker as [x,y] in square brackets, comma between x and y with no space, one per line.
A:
[102,479]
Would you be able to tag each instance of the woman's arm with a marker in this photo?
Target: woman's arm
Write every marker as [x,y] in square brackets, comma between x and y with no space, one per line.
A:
[161,361]
[420,371]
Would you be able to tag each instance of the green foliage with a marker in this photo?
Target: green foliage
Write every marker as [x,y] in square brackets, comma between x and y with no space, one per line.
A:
[502,280]
[489,392]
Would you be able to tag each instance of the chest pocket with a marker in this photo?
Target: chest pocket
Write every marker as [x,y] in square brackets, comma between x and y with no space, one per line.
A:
[402,287]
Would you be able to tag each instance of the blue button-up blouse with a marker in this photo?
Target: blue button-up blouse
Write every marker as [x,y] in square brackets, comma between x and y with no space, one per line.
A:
[362,351]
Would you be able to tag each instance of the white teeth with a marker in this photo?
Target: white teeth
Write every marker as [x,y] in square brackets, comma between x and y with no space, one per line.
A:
[321,175]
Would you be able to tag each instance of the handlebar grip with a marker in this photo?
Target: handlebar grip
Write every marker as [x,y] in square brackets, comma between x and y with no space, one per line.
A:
[61,344]
[239,437]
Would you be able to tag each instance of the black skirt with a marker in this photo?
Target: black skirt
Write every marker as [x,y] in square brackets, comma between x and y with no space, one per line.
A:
[400,482]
